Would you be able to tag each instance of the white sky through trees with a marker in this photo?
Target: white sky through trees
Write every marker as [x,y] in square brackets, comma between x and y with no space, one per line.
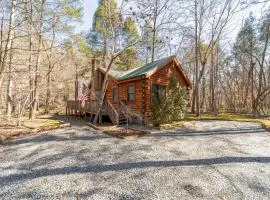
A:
[90,7]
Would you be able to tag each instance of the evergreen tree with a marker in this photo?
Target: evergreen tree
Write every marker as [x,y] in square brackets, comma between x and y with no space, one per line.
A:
[111,31]
[129,59]
[106,21]
[245,49]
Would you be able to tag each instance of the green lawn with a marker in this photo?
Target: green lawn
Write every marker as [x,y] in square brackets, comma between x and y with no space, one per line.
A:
[230,117]
[222,116]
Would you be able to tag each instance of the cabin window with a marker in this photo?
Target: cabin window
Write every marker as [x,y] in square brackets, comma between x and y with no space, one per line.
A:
[115,94]
[131,93]
[158,91]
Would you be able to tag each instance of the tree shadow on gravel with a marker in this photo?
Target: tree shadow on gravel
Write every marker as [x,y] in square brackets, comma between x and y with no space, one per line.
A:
[195,133]
[122,167]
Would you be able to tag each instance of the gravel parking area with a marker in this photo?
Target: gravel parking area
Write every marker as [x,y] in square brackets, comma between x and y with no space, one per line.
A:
[207,160]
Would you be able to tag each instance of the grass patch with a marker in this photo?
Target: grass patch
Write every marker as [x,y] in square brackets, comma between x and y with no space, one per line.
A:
[223,116]
[41,123]
[172,125]
[230,117]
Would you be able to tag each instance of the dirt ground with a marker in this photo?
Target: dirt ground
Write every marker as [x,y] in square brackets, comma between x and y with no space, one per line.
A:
[9,130]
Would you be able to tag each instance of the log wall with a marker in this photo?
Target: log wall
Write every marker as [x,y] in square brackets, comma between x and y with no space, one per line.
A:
[143,88]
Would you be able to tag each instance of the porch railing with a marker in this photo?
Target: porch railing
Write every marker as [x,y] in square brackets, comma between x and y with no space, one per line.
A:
[90,106]
[111,112]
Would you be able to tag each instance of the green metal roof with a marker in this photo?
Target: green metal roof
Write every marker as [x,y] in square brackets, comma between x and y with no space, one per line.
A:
[133,73]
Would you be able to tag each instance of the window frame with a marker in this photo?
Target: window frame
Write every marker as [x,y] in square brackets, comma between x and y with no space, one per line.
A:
[128,93]
[158,92]
[114,98]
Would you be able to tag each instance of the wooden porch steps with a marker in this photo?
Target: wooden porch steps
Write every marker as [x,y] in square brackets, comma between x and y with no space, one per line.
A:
[122,119]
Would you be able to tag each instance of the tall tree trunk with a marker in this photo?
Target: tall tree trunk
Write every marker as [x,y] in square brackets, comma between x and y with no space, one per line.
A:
[154,32]
[252,84]
[9,46]
[30,60]
[9,87]
[215,78]
[37,74]
[105,49]
[48,90]
[193,105]
[247,91]
[211,89]
[197,91]
[252,87]
[8,40]
[1,47]
[203,106]
[153,46]
[252,73]
[50,68]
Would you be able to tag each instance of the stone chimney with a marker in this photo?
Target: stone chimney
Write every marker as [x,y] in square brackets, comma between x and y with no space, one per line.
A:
[96,63]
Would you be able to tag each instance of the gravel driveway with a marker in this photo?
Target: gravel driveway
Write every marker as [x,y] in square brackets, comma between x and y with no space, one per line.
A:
[207,160]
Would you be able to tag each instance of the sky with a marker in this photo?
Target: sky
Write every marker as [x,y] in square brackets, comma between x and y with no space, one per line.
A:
[89,7]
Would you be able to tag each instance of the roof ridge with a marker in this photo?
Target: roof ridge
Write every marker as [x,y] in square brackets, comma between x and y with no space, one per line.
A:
[139,71]
[155,61]
[149,65]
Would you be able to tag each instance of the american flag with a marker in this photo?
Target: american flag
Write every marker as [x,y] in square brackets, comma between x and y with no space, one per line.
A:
[84,96]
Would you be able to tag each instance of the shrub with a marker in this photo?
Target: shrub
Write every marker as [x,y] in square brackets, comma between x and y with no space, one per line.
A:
[170,107]
[160,111]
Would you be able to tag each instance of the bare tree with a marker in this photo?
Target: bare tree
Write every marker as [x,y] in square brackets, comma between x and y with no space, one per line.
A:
[155,18]
[9,47]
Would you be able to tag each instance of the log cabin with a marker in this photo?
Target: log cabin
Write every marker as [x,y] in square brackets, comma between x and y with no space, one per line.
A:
[129,94]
